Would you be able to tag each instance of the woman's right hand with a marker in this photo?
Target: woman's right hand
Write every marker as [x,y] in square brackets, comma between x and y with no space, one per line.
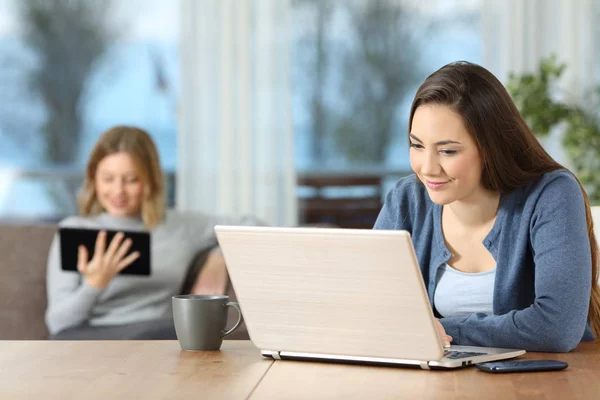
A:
[106,263]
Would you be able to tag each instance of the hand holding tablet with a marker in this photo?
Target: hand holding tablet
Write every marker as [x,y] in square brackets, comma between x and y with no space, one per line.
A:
[100,255]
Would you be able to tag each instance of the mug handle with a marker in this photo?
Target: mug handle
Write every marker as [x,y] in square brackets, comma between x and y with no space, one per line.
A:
[235,305]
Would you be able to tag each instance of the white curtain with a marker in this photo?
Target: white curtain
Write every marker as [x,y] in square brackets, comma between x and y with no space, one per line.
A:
[235,133]
[518,33]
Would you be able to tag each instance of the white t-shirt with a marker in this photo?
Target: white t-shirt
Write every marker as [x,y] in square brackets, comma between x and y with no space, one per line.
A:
[461,294]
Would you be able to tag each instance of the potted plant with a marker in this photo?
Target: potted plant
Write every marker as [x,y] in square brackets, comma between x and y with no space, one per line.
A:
[536,96]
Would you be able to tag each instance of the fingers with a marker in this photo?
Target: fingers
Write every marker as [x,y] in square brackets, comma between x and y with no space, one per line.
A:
[100,245]
[112,248]
[82,259]
[127,260]
[122,250]
[113,258]
[447,341]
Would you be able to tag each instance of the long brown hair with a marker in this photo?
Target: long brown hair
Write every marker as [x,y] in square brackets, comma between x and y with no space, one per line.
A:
[487,109]
[139,145]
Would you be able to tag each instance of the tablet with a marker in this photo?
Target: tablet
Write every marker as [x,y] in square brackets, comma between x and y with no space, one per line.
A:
[71,238]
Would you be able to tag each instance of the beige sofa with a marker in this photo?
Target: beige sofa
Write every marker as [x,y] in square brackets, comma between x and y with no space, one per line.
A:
[23,254]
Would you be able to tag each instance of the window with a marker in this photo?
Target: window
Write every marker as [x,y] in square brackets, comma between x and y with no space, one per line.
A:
[356,67]
[72,70]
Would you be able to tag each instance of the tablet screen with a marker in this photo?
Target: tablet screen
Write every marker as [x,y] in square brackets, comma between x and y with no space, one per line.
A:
[71,238]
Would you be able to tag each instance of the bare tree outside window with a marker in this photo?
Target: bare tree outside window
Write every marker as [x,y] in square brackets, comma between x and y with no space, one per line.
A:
[68,39]
[368,70]
[379,71]
[317,49]
[359,62]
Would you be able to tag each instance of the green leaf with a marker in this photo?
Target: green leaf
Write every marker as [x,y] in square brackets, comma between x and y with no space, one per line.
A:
[533,96]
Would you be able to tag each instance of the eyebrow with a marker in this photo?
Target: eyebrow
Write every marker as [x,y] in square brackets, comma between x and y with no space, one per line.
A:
[127,175]
[440,143]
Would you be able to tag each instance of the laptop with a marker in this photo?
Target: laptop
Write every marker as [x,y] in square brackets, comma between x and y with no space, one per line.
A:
[339,295]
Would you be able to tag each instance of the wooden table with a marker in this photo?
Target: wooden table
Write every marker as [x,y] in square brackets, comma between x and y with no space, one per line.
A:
[160,370]
[127,370]
[300,380]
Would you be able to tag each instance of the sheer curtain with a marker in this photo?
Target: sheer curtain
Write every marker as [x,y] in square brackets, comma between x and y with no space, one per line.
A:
[517,34]
[235,132]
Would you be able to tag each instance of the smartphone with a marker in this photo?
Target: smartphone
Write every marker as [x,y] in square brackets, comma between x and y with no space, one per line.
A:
[522,366]
[72,238]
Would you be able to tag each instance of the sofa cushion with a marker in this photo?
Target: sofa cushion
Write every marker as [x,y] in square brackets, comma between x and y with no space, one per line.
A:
[23,256]
[23,300]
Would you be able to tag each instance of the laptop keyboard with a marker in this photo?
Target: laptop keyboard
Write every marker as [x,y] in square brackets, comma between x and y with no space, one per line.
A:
[454,355]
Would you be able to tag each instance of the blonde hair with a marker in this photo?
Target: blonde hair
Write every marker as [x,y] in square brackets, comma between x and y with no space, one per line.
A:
[139,145]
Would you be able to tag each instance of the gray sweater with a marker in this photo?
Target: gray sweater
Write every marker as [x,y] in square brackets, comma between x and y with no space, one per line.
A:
[127,298]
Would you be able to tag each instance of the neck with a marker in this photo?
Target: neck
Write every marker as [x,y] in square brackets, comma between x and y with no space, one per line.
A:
[476,210]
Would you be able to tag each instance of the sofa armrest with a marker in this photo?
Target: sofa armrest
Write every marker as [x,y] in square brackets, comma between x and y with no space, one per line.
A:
[24,250]
[241,333]
[194,270]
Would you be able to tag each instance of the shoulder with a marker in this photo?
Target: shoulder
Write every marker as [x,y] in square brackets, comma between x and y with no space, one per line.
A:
[185,217]
[190,220]
[556,196]
[560,179]
[556,187]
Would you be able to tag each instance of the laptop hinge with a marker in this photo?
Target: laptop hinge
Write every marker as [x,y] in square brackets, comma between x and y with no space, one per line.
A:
[275,355]
[424,365]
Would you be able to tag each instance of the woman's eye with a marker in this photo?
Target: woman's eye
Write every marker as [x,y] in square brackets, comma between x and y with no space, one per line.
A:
[448,152]
[416,145]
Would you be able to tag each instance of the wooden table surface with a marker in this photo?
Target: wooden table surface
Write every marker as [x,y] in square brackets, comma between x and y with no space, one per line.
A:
[160,370]
[301,380]
[127,370]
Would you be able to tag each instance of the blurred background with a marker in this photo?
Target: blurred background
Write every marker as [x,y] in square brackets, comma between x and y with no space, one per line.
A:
[293,110]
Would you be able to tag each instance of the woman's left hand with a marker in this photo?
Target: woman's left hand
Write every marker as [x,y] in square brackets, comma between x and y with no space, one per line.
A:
[212,278]
[446,339]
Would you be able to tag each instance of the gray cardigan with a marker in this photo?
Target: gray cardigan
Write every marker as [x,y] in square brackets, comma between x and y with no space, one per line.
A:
[542,252]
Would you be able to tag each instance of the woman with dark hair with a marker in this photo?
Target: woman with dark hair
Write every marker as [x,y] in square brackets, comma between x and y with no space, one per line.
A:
[503,233]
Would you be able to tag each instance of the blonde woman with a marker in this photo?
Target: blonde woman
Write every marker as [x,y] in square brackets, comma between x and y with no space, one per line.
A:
[124,190]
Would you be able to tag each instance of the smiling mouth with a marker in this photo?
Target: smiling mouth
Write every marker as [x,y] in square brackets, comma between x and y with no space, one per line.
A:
[435,185]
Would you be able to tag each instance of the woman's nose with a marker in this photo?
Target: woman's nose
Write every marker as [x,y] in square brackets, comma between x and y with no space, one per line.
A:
[431,165]
[120,187]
